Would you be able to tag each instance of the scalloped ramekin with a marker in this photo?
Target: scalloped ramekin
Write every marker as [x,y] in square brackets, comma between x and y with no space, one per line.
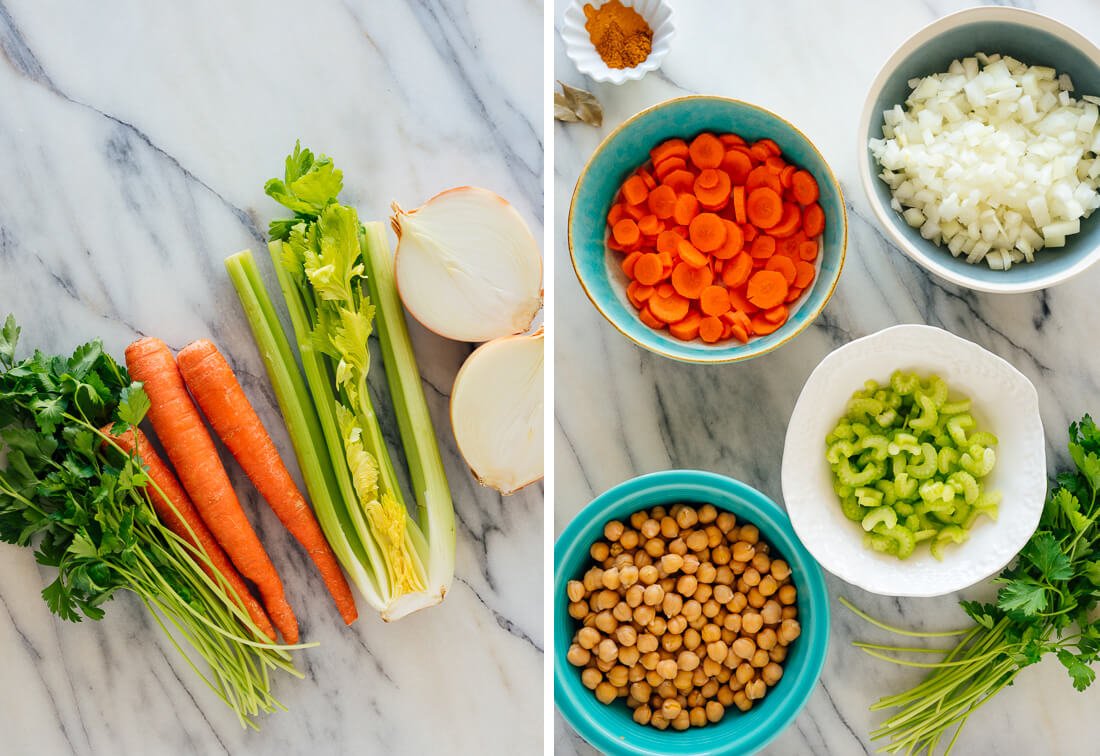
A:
[579,47]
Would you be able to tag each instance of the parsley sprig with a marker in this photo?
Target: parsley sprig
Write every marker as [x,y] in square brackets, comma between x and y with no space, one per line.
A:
[1045,605]
[82,503]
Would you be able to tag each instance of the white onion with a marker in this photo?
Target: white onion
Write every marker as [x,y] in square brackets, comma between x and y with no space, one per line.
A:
[497,411]
[992,158]
[467,266]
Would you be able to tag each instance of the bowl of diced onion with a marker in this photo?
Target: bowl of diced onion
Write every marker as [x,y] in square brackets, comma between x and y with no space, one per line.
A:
[978,149]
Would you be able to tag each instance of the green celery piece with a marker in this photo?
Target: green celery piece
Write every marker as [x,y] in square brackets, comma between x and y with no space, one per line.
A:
[426,471]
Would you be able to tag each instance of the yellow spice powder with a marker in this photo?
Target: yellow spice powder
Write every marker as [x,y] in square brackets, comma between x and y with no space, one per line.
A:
[621,36]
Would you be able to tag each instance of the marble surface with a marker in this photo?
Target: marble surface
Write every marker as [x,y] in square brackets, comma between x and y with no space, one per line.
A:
[621,411]
[135,139]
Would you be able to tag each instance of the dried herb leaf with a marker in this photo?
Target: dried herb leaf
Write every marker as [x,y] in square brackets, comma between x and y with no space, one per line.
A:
[573,104]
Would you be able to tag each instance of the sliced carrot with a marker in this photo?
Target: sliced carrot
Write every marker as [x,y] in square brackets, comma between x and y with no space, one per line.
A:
[667,241]
[710,329]
[669,148]
[807,250]
[737,164]
[789,223]
[635,212]
[681,180]
[688,281]
[769,145]
[707,179]
[668,308]
[761,176]
[738,270]
[707,232]
[750,232]
[628,263]
[666,264]
[761,326]
[760,152]
[688,328]
[804,188]
[615,214]
[662,201]
[739,333]
[738,317]
[687,207]
[782,265]
[714,300]
[813,220]
[785,176]
[766,289]
[706,151]
[741,302]
[647,270]
[716,195]
[762,247]
[739,204]
[794,294]
[689,254]
[664,289]
[734,243]
[638,293]
[667,166]
[804,274]
[634,190]
[775,165]
[730,140]
[649,225]
[647,179]
[764,207]
[649,319]
[626,232]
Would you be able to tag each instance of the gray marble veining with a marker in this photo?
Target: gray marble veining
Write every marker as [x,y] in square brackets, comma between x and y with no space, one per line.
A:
[135,139]
[621,411]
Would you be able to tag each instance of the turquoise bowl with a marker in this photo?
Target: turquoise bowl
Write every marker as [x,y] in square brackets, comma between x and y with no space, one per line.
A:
[625,149]
[611,728]
[1029,37]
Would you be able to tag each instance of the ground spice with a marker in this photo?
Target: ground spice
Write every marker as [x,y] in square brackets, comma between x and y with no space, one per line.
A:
[621,36]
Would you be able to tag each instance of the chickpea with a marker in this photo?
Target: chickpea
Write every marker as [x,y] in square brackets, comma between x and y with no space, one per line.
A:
[666,689]
[755,690]
[771,674]
[725,696]
[741,701]
[722,594]
[743,551]
[691,639]
[780,570]
[606,599]
[688,661]
[744,648]
[606,623]
[760,659]
[676,625]
[650,528]
[692,610]
[738,602]
[607,650]
[669,528]
[646,643]
[655,547]
[672,643]
[672,604]
[610,579]
[588,637]
[711,667]
[724,575]
[717,651]
[756,598]
[578,610]
[696,540]
[714,536]
[697,717]
[641,559]
[629,539]
[789,629]
[658,721]
[599,551]
[691,564]
[767,586]
[771,612]
[707,514]
[606,692]
[787,594]
[654,594]
[686,517]
[593,579]
[667,668]
[590,678]
[638,518]
[706,572]
[653,678]
[710,633]
[643,615]
[626,635]
[683,682]
[703,593]
[686,585]
[575,590]
[767,639]
[749,534]
[720,555]
[790,612]
[633,596]
[733,623]
[622,612]
[671,563]
[618,676]
[650,660]
[751,577]
[648,575]
[628,656]
[711,609]
[643,715]
[657,626]
[682,721]
[637,671]
[614,551]
[751,622]
[778,654]
[641,691]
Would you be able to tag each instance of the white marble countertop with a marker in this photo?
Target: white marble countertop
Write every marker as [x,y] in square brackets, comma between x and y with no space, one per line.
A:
[135,139]
[621,411]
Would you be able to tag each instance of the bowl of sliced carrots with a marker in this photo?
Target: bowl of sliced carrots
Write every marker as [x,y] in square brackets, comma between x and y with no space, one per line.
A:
[707,229]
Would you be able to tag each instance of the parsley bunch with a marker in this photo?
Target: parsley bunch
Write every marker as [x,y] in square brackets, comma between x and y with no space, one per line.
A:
[1044,606]
[83,504]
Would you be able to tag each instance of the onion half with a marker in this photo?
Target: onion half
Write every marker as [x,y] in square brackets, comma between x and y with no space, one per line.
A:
[467,265]
[497,412]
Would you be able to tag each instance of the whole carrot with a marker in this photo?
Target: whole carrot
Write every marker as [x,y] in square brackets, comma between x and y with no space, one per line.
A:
[176,510]
[222,400]
[192,453]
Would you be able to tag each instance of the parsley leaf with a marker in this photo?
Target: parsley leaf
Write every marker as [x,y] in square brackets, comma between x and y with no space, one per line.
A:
[1025,596]
[1081,673]
[9,337]
[1046,554]
[133,403]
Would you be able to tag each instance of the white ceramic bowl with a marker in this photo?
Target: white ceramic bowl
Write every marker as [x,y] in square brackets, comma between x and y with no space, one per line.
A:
[1004,402]
[579,47]
[1030,37]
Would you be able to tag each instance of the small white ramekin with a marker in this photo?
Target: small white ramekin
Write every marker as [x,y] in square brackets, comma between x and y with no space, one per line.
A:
[579,47]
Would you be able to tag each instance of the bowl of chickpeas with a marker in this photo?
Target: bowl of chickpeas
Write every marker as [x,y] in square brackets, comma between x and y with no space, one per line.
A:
[688,618]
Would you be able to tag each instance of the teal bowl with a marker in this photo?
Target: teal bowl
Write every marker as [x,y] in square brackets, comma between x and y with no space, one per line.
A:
[625,149]
[1026,36]
[611,728]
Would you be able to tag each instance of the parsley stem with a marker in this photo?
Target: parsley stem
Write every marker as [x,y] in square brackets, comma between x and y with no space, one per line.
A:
[897,630]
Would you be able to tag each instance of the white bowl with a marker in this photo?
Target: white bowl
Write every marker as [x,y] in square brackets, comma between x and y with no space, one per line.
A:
[579,47]
[1004,402]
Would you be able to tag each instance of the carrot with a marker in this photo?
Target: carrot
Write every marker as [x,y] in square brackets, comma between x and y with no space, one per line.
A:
[813,220]
[737,272]
[668,308]
[739,333]
[628,263]
[807,250]
[665,289]
[804,188]
[175,509]
[718,193]
[667,166]
[804,274]
[633,292]
[737,164]
[648,269]
[707,232]
[667,241]
[761,176]
[763,206]
[626,232]
[689,282]
[761,326]
[741,302]
[219,395]
[669,148]
[615,214]
[687,207]
[710,329]
[782,265]
[688,328]
[666,264]
[662,201]
[734,243]
[789,223]
[776,166]
[692,256]
[731,140]
[793,295]
[777,314]
[195,458]
[647,179]
[739,204]
[647,317]
[763,247]
[769,145]
[760,152]
[634,190]
[706,151]
[750,232]
[767,288]
[714,300]
[635,212]
[649,225]
[680,180]
[785,176]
